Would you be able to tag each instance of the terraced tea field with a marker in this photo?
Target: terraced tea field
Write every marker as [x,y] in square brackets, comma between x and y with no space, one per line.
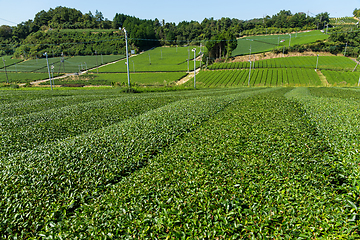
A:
[161,59]
[309,62]
[267,43]
[145,79]
[285,71]
[258,77]
[71,64]
[233,163]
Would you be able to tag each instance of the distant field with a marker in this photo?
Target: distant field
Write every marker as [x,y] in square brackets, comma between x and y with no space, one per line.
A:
[89,30]
[72,64]
[325,62]
[162,59]
[22,77]
[343,20]
[258,77]
[148,79]
[341,78]
[8,61]
[267,43]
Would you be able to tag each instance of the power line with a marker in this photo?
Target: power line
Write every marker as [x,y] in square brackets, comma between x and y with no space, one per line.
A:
[7,21]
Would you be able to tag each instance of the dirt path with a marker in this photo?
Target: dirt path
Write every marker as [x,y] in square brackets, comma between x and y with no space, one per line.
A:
[37,82]
[270,55]
[187,77]
[323,79]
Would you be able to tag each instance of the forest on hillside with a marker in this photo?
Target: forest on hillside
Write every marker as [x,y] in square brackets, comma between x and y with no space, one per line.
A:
[69,31]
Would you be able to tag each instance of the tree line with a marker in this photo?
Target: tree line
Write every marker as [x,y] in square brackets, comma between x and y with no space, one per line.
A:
[50,31]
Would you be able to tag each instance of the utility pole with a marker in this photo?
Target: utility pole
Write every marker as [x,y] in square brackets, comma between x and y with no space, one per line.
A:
[317,60]
[290,40]
[357,63]
[194,50]
[284,51]
[7,80]
[97,65]
[127,58]
[249,74]
[254,62]
[188,60]
[345,49]
[149,59]
[47,62]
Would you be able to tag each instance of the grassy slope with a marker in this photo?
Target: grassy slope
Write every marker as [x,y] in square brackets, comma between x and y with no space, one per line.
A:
[267,43]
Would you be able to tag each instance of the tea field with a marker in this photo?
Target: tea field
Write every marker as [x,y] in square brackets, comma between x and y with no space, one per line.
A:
[70,65]
[143,79]
[253,163]
[324,63]
[161,59]
[267,43]
[285,71]
[258,77]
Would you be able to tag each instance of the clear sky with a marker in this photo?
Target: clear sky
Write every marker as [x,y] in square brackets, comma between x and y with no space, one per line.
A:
[176,11]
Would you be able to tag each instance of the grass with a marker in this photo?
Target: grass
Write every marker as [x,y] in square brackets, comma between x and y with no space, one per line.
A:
[239,163]
[8,61]
[72,64]
[162,59]
[339,63]
[146,79]
[266,43]
[258,77]
[337,78]
[22,77]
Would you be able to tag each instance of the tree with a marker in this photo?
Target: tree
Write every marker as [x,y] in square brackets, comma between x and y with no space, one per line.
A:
[5,32]
[356,12]
[221,45]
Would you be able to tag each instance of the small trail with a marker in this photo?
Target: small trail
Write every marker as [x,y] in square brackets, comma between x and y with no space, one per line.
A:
[37,82]
[323,79]
[187,77]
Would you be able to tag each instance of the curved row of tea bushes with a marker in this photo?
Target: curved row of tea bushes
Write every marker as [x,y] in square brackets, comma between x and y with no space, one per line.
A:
[309,62]
[56,124]
[257,170]
[36,105]
[41,187]
[336,113]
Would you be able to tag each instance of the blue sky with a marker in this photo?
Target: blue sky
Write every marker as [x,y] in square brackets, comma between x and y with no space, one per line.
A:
[177,11]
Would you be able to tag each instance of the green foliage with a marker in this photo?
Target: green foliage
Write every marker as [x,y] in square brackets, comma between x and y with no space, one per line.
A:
[337,78]
[22,77]
[221,45]
[267,43]
[143,79]
[110,149]
[224,163]
[162,59]
[70,65]
[258,77]
[356,12]
[309,62]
